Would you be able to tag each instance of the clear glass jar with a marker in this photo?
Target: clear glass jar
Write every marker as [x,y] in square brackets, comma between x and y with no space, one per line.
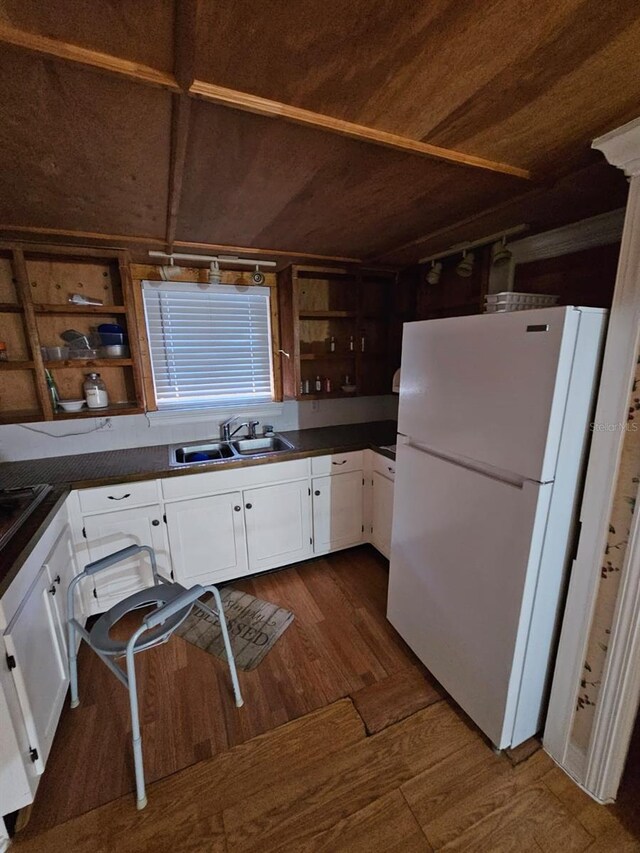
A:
[95,392]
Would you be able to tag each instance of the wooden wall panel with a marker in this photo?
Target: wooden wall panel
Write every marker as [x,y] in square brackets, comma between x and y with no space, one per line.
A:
[259,181]
[139,30]
[80,149]
[581,278]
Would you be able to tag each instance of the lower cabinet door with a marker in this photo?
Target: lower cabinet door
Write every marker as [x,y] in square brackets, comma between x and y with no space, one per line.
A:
[337,511]
[382,513]
[61,567]
[37,662]
[111,531]
[207,538]
[278,520]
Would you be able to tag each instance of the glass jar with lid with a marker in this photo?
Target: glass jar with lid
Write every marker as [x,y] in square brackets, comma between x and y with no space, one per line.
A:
[95,391]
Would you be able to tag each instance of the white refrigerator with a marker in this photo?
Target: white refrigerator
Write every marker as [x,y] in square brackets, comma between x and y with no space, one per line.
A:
[494,426]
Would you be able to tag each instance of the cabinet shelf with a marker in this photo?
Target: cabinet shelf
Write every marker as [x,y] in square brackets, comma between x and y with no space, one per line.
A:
[114,409]
[20,416]
[16,365]
[326,315]
[324,395]
[83,363]
[10,308]
[50,308]
[329,356]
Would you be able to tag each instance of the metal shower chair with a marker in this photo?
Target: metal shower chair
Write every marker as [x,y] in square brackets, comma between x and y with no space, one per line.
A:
[173,602]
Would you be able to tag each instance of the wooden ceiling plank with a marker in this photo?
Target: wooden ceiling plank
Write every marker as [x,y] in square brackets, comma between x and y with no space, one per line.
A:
[56,49]
[262,106]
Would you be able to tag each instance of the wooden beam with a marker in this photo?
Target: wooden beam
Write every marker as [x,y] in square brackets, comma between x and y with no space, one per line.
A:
[117,241]
[274,109]
[56,49]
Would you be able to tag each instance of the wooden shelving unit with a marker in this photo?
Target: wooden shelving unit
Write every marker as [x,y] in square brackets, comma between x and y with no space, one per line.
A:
[35,283]
[348,308]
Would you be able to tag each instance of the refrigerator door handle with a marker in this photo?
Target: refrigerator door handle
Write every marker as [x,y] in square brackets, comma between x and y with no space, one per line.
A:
[485,470]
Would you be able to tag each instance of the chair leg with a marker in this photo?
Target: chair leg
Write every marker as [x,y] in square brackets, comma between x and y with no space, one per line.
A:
[141,797]
[73,663]
[227,646]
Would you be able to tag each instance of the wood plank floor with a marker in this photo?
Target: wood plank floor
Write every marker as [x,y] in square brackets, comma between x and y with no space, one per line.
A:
[394,766]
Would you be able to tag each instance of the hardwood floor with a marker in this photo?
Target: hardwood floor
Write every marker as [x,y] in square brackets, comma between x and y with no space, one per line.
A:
[393,766]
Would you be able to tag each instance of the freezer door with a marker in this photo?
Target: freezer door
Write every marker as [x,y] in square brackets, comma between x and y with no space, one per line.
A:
[490,388]
[464,557]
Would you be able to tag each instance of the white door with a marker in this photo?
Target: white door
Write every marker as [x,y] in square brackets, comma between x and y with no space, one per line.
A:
[490,388]
[464,557]
[381,513]
[61,567]
[112,531]
[278,520]
[337,511]
[207,538]
[38,666]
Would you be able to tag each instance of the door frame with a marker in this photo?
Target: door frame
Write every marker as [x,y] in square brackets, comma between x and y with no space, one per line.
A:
[599,769]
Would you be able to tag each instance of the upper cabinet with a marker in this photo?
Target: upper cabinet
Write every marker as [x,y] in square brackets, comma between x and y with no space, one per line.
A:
[336,331]
[35,285]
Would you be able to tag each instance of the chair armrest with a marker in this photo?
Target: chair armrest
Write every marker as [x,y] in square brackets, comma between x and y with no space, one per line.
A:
[156,617]
[112,559]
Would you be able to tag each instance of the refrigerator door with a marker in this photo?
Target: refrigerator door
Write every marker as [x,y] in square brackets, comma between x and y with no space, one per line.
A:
[490,388]
[464,557]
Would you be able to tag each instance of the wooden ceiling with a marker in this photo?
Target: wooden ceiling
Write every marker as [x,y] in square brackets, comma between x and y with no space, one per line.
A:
[381,132]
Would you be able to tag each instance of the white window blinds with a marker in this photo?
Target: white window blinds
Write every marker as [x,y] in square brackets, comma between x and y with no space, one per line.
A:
[210,345]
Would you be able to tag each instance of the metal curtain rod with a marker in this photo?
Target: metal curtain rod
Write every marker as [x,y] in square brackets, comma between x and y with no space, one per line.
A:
[473,244]
[221,259]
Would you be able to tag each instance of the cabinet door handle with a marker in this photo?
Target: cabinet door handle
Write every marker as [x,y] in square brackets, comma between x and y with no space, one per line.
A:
[344,462]
[155,522]
[237,508]
[57,579]
[249,506]
[389,468]
[121,498]
[317,492]
[52,589]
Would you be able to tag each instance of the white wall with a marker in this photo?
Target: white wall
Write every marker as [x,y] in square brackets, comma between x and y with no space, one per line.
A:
[18,441]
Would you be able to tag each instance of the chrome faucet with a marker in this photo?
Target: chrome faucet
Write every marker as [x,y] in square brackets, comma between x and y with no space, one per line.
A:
[226,432]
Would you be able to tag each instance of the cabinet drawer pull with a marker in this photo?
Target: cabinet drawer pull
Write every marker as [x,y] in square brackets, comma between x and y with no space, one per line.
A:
[121,498]
[249,506]
[344,462]
[155,522]
[317,492]
[389,468]
[237,508]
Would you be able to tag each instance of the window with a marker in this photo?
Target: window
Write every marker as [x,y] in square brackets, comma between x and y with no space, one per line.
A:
[210,345]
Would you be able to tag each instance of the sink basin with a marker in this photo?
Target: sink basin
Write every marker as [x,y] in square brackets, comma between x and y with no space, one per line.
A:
[206,451]
[203,452]
[257,446]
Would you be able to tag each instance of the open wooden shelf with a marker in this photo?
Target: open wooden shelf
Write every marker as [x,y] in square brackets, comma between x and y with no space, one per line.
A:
[328,356]
[113,409]
[20,416]
[16,365]
[326,315]
[85,310]
[83,363]
[10,308]
[324,395]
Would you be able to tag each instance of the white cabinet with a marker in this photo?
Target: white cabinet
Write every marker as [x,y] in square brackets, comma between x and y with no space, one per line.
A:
[381,513]
[111,531]
[278,522]
[61,568]
[37,662]
[207,538]
[337,511]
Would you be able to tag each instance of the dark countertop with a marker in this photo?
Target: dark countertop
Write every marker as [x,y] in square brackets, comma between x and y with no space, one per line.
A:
[144,463]
[104,468]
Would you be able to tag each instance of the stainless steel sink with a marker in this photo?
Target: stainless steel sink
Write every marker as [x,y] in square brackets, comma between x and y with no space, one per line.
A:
[199,452]
[206,452]
[258,446]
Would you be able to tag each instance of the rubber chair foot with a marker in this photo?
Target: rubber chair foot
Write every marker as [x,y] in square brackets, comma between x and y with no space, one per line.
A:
[140,804]
[75,703]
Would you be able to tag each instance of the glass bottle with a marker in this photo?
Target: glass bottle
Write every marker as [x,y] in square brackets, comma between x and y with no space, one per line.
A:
[95,392]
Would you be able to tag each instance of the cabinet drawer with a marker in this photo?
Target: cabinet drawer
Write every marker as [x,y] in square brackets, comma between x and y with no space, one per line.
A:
[337,463]
[118,497]
[231,479]
[385,466]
